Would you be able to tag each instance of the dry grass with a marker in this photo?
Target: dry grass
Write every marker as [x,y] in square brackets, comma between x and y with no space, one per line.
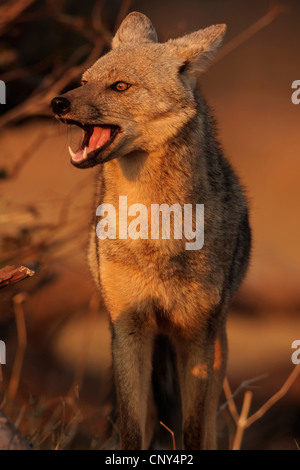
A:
[57,419]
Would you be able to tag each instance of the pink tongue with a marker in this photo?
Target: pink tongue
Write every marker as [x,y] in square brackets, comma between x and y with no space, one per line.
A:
[100,136]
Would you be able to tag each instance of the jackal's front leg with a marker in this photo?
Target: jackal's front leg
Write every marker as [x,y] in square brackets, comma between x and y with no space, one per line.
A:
[195,358]
[132,345]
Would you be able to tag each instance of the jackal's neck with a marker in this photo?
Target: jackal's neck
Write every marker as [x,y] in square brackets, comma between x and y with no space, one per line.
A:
[176,172]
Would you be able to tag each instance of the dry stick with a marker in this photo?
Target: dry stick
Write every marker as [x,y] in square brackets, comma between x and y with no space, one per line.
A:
[12,274]
[230,401]
[264,21]
[245,422]
[242,421]
[171,432]
[245,385]
[230,404]
[22,343]
[229,422]
[277,396]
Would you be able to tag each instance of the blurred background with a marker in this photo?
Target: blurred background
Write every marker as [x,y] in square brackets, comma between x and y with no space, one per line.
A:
[56,380]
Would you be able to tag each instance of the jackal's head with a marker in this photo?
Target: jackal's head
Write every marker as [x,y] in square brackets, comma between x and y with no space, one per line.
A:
[140,94]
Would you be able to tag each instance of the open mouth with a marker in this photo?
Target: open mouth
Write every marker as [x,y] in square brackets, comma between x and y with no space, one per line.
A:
[96,138]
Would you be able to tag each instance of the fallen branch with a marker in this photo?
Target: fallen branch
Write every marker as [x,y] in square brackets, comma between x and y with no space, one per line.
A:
[12,274]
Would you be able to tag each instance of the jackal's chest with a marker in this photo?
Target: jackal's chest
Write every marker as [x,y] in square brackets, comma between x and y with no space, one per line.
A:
[166,294]
[136,274]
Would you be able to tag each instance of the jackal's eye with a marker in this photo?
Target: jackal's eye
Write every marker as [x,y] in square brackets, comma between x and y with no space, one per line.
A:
[83,82]
[120,86]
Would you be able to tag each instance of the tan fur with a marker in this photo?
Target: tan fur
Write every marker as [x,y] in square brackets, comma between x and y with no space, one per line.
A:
[165,153]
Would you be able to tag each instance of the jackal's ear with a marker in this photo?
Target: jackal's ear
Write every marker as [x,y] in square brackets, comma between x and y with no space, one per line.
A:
[199,48]
[135,29]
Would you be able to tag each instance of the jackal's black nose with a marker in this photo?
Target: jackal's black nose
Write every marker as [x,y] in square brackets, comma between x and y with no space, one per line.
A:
[60,105]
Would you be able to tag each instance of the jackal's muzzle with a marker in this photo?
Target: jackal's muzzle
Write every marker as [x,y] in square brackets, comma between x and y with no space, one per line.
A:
[96,138]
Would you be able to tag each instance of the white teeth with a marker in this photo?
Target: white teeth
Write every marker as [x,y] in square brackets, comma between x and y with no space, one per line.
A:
[85,153]
[71,152]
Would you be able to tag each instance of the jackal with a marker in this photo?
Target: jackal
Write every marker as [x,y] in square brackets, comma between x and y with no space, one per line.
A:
[150,131]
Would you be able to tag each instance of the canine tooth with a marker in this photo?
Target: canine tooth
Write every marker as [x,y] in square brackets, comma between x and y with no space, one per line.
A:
[71,152]
[85,153]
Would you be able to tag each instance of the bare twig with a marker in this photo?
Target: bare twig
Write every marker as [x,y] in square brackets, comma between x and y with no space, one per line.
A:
[277,396]
[242,420]
[245,385]
[229,422]
[229,401]
[171,432]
